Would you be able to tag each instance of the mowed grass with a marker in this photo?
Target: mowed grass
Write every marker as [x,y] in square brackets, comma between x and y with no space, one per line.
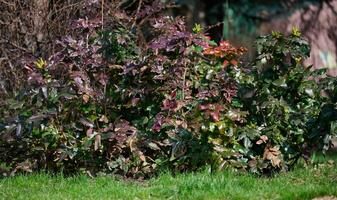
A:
[301,183]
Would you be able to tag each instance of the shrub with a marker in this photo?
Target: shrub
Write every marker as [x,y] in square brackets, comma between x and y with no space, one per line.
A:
[132,99]
[289,118]
[105,103]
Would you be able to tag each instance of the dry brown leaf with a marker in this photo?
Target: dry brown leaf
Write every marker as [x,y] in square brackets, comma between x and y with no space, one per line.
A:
[263,139]
[104,119]
[272,154]
[86,98]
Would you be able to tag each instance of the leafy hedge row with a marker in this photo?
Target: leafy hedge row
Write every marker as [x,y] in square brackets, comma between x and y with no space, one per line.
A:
[108,102]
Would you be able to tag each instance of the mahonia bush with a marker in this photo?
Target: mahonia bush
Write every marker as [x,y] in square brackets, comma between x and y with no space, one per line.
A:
[145,94]
[288,113]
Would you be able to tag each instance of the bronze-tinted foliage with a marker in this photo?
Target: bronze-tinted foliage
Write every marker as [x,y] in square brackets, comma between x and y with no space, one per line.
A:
[117,100]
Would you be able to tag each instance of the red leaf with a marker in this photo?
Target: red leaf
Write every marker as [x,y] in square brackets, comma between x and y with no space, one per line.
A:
[173,94]
[204,107]
[135,101]
[169,104]
[89,132]
[234,62]
[225,63]
[158,123]
[103,79]
[215,116]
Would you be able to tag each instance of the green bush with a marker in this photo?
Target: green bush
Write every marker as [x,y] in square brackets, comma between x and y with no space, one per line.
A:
[288,114]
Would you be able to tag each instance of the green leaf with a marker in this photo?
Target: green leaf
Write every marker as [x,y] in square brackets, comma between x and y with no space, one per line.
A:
[197,28]
[153,146]
[280,83]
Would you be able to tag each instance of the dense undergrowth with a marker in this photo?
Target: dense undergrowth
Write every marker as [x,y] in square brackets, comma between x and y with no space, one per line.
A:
[144,94]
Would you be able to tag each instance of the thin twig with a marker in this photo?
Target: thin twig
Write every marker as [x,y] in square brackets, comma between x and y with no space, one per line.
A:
[138,10]
[213,26]
[17,46]
[66,7]
[128,5]
[8,4]
[102,14]
[184,80]
[9,61]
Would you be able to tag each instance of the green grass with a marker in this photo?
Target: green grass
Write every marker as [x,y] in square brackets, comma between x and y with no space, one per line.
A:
[302,183]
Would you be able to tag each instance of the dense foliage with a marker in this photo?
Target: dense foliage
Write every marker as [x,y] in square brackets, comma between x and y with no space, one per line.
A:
[288,103]
[144,94]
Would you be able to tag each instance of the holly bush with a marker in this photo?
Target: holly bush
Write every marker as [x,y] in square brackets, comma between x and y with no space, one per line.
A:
[288,111]
[145,94]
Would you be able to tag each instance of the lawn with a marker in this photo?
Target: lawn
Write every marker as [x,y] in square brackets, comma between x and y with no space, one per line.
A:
[302,183]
